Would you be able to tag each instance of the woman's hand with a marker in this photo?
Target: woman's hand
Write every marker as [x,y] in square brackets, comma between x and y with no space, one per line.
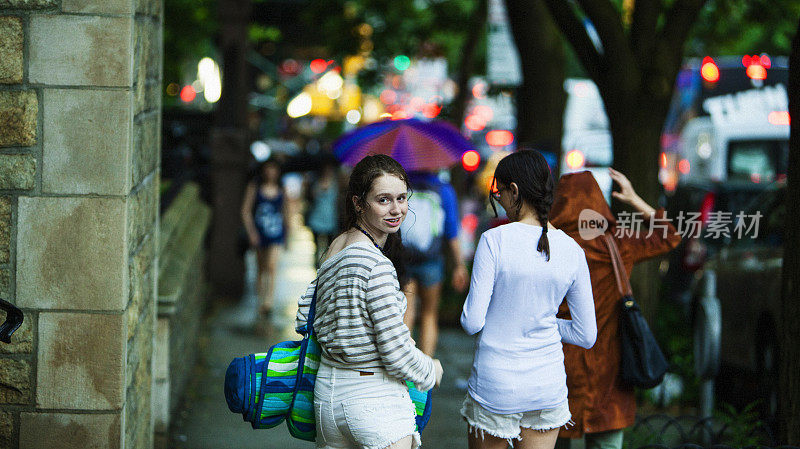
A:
[626,192]
[460,278]
[628,195]
[437,365]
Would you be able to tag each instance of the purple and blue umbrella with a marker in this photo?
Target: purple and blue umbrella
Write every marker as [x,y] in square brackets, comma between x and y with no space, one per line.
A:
[417,145]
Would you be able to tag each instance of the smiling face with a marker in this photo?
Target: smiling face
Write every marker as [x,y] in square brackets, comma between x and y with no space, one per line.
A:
[384,207]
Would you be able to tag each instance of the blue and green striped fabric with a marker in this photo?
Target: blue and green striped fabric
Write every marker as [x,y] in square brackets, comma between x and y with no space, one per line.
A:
[422,404]
[278,385]
[268,388]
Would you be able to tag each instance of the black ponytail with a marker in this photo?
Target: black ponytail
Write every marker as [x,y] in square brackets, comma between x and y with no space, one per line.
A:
[544,243]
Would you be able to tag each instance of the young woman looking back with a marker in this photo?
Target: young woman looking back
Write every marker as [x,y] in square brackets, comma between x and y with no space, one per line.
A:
[521,273]
[360,396]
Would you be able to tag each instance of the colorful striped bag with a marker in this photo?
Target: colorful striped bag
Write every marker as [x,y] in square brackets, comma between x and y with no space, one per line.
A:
[278,385]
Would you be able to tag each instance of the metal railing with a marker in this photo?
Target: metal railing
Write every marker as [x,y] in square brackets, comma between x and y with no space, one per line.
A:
[690,432]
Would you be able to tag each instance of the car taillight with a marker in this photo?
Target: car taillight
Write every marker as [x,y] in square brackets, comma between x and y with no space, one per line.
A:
[707,206]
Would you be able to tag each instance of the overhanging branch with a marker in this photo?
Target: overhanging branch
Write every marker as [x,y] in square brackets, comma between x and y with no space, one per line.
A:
[575,32]
[608,23]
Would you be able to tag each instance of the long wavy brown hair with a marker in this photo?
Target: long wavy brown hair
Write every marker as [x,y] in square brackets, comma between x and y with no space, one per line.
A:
[362,177]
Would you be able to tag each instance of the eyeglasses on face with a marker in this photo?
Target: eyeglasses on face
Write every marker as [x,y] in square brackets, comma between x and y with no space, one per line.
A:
[495,194]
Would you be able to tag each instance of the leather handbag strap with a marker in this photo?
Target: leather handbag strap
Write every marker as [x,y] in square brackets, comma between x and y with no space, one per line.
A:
[623,283]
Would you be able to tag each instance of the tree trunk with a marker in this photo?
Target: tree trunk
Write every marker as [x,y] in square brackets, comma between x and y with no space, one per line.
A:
[636,132]
[229,153]
[634,149]
[477,28]
[541,97]
[789,326]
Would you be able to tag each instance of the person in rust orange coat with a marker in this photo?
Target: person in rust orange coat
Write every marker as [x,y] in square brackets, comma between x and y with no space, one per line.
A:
[601,405]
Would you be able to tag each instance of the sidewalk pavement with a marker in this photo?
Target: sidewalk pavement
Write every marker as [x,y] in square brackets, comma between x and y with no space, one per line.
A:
[203,421]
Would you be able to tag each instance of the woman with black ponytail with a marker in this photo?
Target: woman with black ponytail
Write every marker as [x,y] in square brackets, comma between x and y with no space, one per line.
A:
[521,273]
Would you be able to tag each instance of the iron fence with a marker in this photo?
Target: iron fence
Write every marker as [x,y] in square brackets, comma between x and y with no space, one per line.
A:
[691,432]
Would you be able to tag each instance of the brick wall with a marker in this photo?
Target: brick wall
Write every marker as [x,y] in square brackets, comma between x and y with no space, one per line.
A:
[79,151]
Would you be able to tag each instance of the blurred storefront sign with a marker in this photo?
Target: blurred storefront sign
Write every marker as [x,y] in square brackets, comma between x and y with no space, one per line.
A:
[502,56]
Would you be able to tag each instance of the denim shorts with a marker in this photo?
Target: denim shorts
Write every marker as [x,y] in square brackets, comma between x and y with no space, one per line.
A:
[508,425]
[428,272]
[354,409]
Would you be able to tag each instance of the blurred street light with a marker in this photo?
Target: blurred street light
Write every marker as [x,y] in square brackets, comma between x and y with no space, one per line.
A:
[208,74]
[299,106]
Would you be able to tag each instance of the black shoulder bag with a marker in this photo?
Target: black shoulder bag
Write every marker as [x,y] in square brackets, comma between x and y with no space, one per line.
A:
[643,364]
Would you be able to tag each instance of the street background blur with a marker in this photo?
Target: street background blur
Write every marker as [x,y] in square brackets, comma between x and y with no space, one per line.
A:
[702,130]
[131,130]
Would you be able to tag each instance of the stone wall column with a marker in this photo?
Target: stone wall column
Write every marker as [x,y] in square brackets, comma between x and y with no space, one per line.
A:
[79,175]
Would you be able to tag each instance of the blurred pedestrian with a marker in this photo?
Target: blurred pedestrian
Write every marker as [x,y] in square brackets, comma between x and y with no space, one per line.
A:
[264,217]
[323,213]
[360,396]
[430,232]
[521,273]
[600,403]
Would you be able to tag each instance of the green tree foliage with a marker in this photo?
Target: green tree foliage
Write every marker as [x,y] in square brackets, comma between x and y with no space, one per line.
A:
[413,28]
[189,29]
[744,27]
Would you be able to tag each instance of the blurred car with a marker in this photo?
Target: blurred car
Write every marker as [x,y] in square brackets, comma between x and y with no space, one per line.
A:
[738,295]
[693,252]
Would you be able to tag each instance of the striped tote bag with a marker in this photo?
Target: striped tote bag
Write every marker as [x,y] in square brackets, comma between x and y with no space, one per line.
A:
[278,385]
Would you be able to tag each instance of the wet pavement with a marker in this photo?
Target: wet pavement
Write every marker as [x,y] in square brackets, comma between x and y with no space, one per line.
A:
[203,421]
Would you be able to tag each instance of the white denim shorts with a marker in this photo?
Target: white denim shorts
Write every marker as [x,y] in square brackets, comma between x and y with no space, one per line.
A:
[508,426]
[364,411]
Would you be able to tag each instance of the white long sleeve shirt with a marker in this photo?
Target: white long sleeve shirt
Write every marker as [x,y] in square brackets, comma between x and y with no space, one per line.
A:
[513,298]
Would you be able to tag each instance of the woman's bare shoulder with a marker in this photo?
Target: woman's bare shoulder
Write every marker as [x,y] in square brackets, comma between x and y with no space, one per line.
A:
[341,242]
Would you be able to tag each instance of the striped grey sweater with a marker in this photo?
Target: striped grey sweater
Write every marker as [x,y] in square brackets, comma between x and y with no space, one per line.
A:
[359,316]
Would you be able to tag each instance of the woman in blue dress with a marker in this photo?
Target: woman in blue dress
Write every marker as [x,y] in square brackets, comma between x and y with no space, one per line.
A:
[264,217]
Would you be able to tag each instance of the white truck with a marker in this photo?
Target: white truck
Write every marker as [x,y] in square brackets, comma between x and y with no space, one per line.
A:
[744,139]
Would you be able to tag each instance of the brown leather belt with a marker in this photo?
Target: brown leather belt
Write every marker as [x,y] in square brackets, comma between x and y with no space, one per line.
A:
[365,373]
